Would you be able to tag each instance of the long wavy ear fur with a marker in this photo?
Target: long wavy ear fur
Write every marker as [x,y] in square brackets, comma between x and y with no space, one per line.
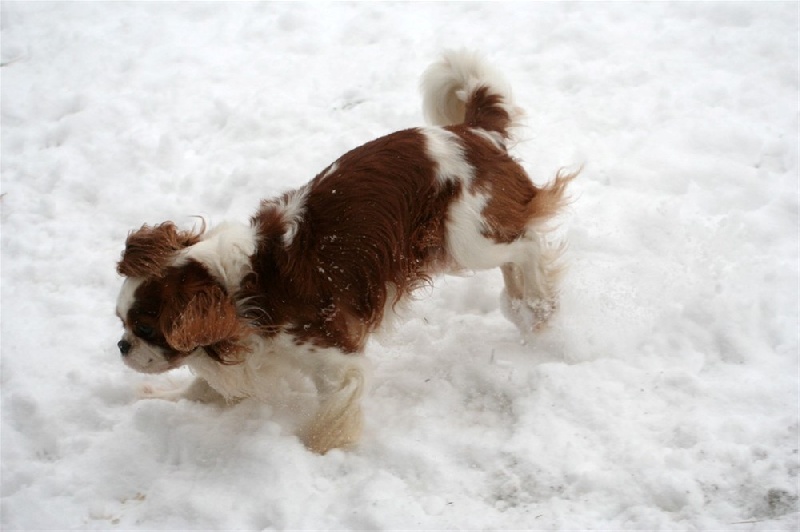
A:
[150,250]
[202,314]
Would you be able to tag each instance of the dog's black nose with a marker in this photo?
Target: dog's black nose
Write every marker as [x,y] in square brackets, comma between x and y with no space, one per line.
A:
[124,347]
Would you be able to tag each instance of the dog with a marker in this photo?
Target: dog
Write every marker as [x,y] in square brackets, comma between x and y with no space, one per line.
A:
[320,268]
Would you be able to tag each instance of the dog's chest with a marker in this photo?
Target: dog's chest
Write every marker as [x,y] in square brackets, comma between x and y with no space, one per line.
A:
[256,376]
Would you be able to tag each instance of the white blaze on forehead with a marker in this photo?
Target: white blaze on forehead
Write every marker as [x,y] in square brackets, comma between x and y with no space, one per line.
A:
[445,149]
[126,297]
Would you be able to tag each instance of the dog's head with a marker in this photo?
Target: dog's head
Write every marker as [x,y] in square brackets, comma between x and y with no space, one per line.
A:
[170,304]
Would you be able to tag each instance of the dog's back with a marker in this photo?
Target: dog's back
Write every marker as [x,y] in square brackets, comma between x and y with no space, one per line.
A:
[388,215]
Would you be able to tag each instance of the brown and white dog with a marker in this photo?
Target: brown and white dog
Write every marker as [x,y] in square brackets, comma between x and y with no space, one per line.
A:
[320,268]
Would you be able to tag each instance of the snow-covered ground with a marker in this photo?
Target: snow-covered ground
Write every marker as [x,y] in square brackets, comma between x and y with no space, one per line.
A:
[665,395]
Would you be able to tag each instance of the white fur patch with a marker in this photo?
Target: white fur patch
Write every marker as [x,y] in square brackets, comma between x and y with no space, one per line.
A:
[126,299]
[225,250]
[144,357]
[254,376]
[446,150]
[331,170]
[338,377]
[268,358]
[466,242]
[294,208]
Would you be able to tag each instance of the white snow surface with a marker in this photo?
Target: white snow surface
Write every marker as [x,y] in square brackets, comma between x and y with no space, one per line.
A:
[663,396]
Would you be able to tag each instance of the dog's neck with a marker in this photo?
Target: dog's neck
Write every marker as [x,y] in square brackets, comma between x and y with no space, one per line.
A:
[226,251]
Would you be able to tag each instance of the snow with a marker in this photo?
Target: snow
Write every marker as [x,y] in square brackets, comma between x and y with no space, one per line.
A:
[665,394]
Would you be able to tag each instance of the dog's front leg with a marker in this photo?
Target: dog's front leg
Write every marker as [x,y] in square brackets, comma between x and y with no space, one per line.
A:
[199,391]
[338,421]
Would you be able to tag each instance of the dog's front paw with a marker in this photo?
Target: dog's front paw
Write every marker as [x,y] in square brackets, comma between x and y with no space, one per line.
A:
[150,391]
[199,391]
[144,391]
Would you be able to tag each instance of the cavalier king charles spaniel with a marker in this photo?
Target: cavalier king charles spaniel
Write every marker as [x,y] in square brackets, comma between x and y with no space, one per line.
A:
[320,268]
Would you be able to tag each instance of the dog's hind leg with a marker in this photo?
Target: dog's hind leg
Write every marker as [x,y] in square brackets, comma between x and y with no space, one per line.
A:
[531,283]
[506,226]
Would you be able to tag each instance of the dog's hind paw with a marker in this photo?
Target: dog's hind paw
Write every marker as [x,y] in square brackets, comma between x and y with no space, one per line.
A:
[529,316]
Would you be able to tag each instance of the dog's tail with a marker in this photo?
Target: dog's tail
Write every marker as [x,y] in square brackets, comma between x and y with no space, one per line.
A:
[463,89]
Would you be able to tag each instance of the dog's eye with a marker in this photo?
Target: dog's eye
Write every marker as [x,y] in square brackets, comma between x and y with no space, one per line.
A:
[143,331]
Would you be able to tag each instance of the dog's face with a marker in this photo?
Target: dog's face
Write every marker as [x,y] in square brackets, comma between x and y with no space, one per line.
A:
[171,307]
[143,345]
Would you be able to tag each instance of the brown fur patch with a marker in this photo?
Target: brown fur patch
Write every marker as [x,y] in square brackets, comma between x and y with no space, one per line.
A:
[150,250]
[507,184]
[375,219]
[485,110]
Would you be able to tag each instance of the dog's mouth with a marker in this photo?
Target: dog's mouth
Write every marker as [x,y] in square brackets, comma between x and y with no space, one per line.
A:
[149,366]
[145,358]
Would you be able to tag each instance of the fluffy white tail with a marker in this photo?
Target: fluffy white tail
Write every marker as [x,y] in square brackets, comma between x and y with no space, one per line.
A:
[463,88]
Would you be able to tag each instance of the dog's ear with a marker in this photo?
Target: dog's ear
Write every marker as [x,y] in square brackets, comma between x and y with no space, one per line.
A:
[203,315]
[150,250]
